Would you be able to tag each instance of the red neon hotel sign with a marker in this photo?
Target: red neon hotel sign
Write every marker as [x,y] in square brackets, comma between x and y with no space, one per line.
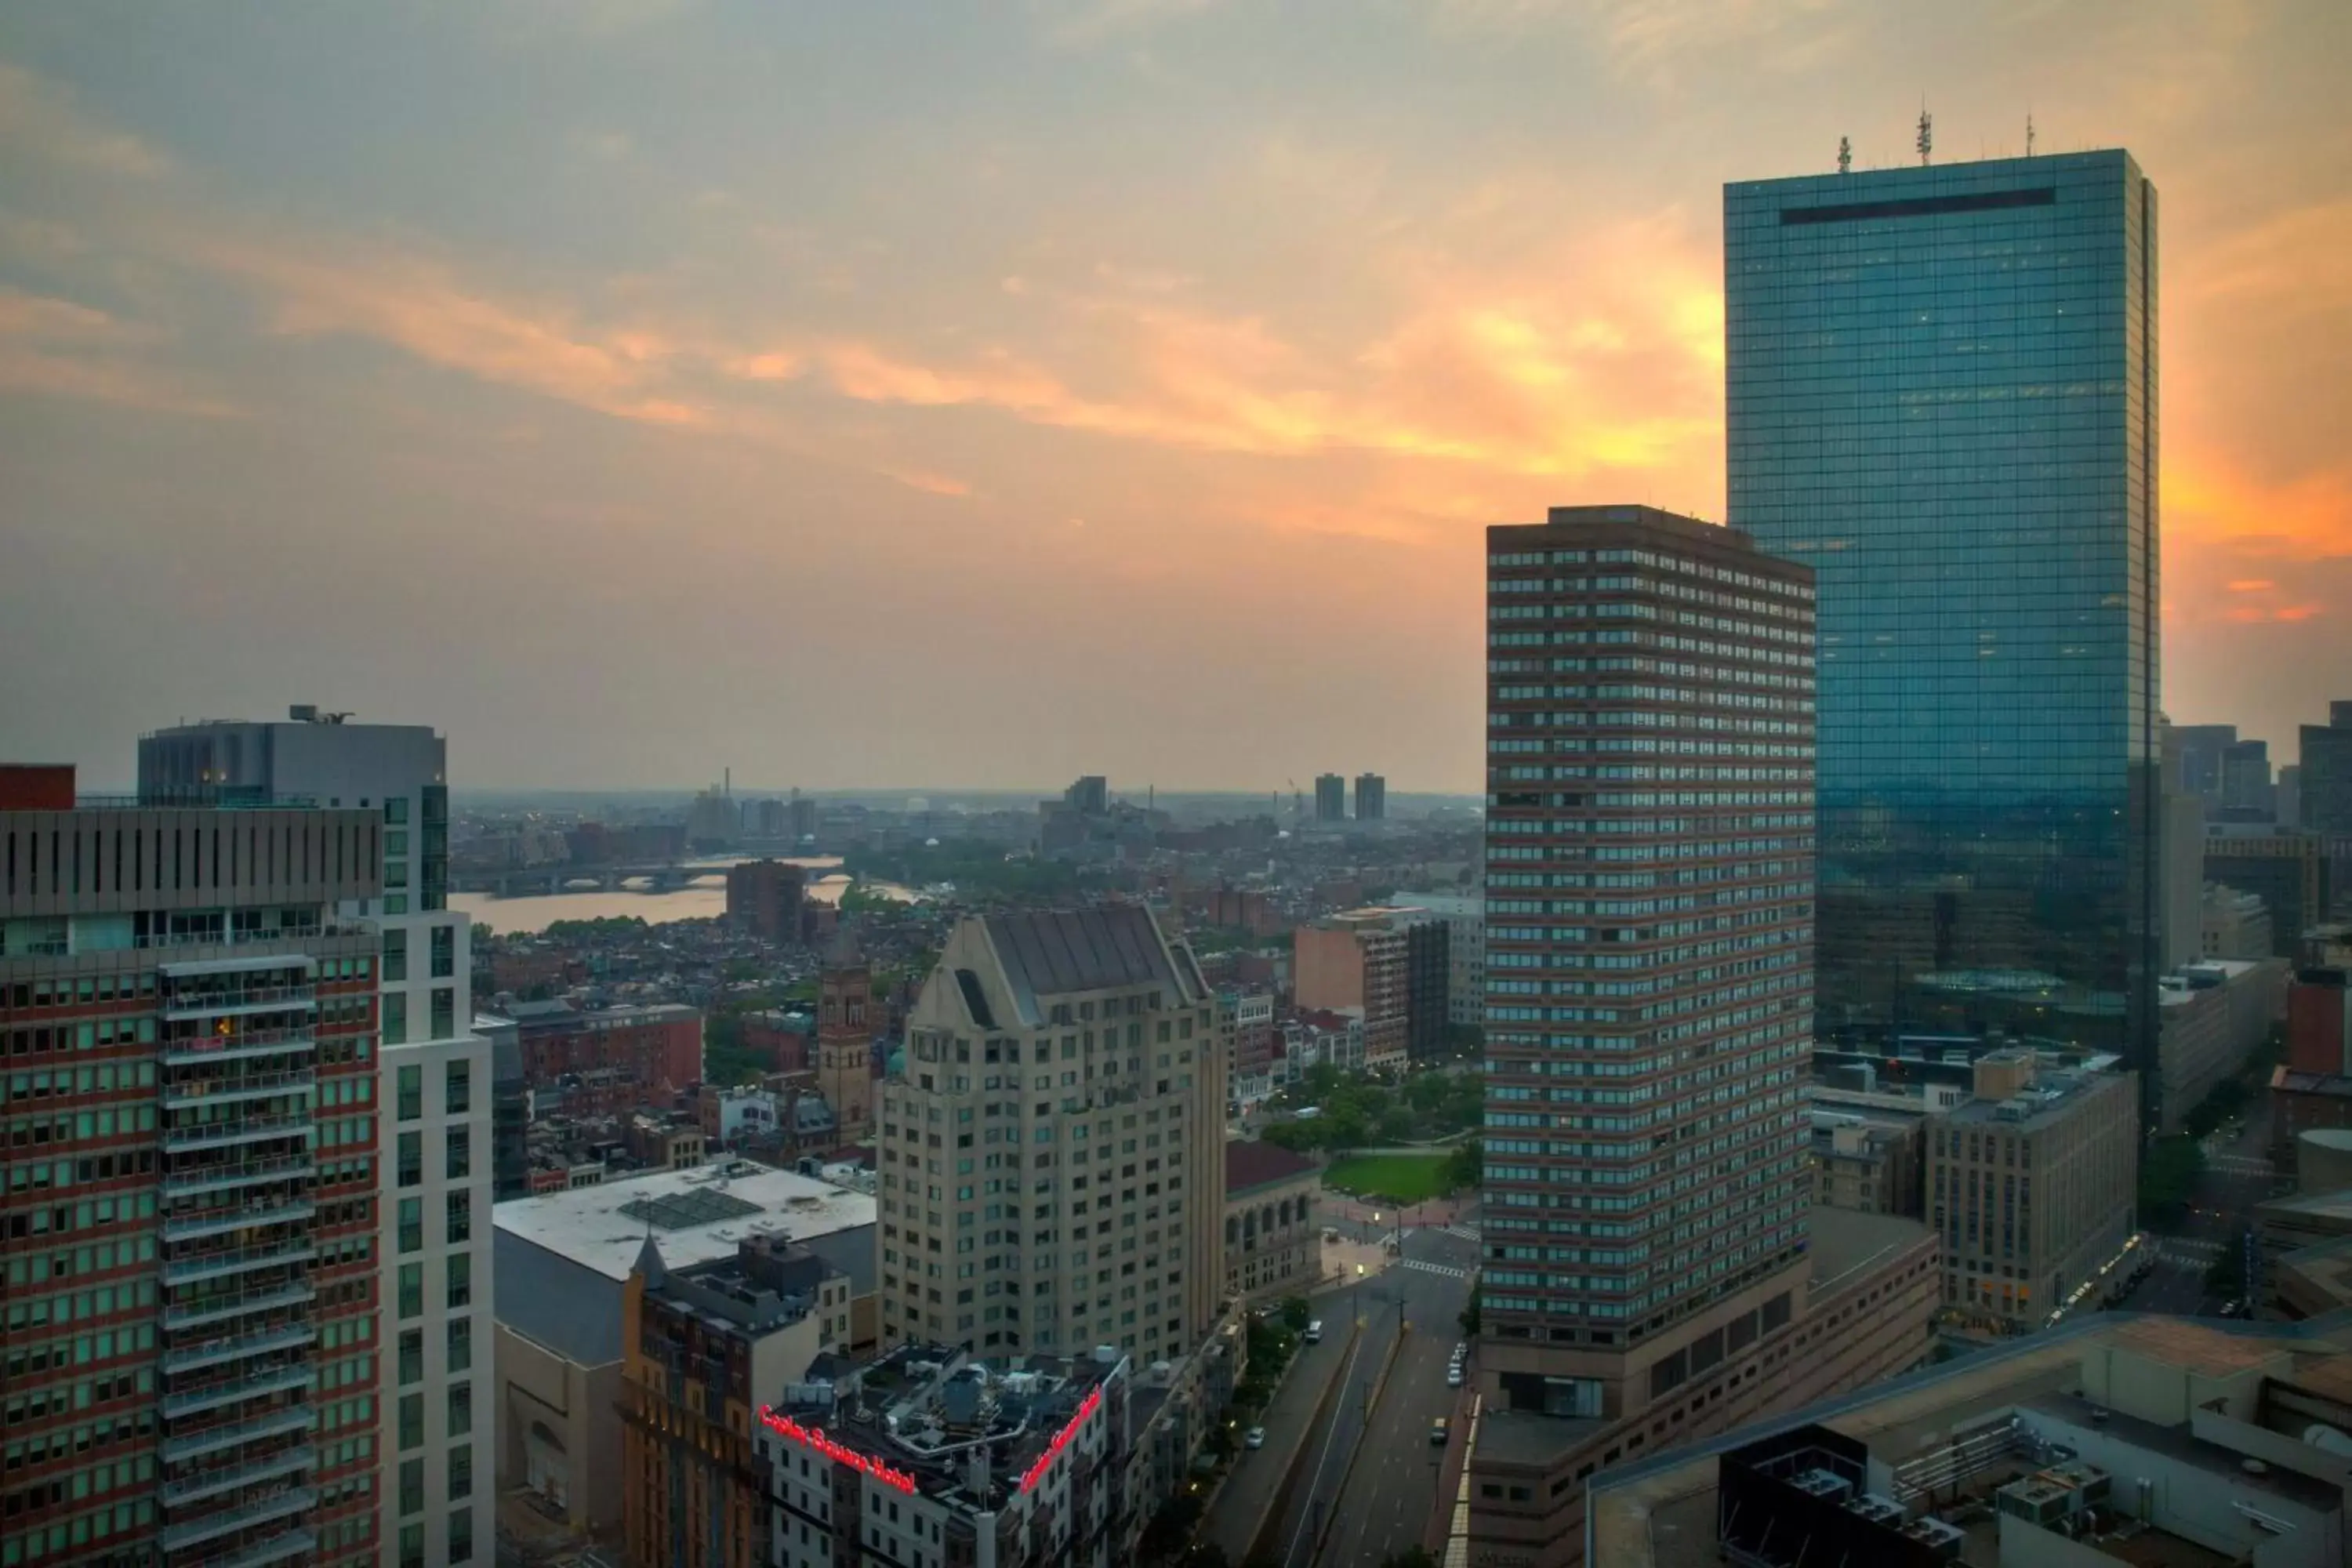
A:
[1036,1472]
[810,1437]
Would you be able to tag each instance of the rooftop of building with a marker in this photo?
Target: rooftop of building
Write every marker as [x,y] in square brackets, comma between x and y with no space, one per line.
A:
[699,1215]
[1251,1165]
[2297,1080]
[768,1284]
[2008,1400]
[934,1414]
[1061,952]
[2051,1095]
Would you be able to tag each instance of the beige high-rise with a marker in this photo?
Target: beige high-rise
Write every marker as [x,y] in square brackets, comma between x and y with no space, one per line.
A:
[1050,1155]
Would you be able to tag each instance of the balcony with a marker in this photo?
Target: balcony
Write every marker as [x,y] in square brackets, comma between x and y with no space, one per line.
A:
[178,1538]
[186,1091]
[238,1001]
[298,1545]
[212,1439]
[179,1316]
[287,1210]
[226,1478]
[245,1129]
[194,1401]
[204,1050]
[181,1357]
[238,1260]
[198,1179]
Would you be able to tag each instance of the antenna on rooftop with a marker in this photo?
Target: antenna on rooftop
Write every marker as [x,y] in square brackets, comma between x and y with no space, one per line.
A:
[1927,135]
[2029,134]
[1845,155]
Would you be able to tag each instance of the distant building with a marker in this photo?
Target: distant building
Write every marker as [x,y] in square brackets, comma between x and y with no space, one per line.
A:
[1363,959]
[2326,780]
[2231,924]
[2319,1021]
[1371,798]
[1274,1236]
[2290,872]
[705,1349]
[765,897]
[657,1047]
[1330,798]
[2199,748]
[2286,796]
[847,1022]
[1245,1031]
[1870,1163]
[2246,780]
[711,822]
[801,820]
[781,1039]
[1089,797]
[1465,915]
[2033,1185]
[764,819]
[2212,1017]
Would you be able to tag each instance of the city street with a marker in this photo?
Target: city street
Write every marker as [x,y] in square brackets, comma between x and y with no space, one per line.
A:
[2238,1175]
[1380,1462]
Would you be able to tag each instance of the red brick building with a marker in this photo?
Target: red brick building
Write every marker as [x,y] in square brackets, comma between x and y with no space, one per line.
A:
[766,898]
[780,1039]
[656,1048]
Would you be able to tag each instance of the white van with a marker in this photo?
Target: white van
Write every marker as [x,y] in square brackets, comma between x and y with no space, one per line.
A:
[1315,1331]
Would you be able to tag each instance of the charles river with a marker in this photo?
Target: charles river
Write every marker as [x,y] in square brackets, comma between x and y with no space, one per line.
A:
[705,898]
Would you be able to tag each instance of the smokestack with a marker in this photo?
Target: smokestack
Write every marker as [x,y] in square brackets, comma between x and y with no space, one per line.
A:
[729,774]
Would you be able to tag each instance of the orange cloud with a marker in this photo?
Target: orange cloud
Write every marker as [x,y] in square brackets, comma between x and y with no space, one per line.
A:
[59,348]
[2252,586]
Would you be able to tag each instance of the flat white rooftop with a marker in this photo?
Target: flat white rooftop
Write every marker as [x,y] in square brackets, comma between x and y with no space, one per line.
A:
[694,1217]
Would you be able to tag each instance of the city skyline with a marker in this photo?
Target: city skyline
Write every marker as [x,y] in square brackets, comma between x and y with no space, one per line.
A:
[715,396]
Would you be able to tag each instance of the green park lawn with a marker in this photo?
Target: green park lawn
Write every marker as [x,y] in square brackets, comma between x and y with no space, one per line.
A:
[1399,1178]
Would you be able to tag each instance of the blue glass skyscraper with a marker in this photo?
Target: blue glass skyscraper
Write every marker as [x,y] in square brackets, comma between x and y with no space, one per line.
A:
[1942,396]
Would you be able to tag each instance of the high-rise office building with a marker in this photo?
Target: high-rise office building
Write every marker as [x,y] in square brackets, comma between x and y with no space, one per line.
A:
[2197,750]
[435,1167]
[1088,795]
[1330,798]
[2246,785]
[1371,798]
[1941,388]
[1051,1156]
[1649,938]
[1650,1265]
[2325,796]
[196,1346]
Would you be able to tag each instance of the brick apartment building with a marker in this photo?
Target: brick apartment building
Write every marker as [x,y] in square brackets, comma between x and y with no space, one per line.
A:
[656,1048]
[193,1330]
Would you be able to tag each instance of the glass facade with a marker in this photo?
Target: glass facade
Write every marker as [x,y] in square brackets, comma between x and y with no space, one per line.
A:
[1942,396]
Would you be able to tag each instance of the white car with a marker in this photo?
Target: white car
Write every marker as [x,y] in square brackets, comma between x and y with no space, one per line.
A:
[1454,1375]
[1315,1331]
[1253,1438]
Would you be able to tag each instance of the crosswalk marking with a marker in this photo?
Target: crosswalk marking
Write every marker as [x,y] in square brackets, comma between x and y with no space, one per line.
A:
[2191,1247]
[1426,1267]
[1467,1232]
[2241,1166]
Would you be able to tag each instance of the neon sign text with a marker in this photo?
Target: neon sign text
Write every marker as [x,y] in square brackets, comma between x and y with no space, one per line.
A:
[810,1437]
[1036,1472]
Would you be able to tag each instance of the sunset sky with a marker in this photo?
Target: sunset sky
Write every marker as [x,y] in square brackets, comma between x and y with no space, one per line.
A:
[980,393]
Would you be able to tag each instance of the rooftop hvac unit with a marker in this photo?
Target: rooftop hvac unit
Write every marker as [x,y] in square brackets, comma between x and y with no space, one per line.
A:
[1875,1509]
[1940,1538]
[1824,1484]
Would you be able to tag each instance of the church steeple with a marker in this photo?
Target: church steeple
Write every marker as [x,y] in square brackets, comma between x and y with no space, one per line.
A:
[844,1035]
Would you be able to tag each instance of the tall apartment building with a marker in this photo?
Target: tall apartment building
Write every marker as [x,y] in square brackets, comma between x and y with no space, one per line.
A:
[1941,395]
[2324,792]
[2033,1184]
[196,1342]
[1371,798]
[1245,1036]
[1051,1157]
[1649,939]
[1330,798]
[435,1167]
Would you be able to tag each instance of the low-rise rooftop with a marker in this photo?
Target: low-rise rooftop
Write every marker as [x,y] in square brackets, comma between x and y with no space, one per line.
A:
[699,1215]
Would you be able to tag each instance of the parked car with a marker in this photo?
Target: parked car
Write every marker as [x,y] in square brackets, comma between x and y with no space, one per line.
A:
[1437,1433]
[1454,1375]
[1315,1331]
[1253,1438]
